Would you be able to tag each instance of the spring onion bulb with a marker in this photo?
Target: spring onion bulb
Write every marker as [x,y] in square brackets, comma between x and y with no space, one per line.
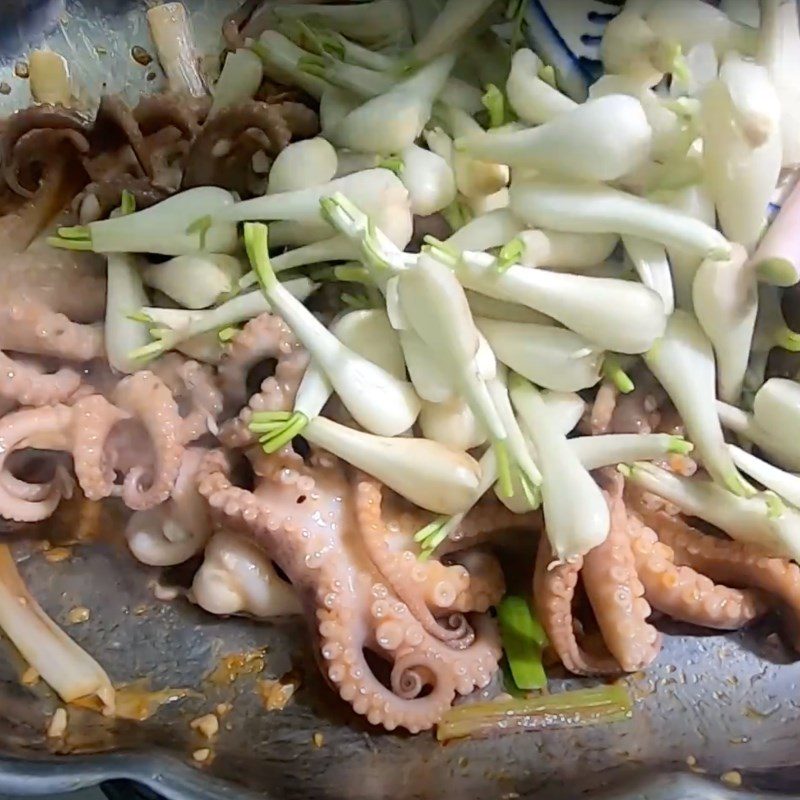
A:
[427,473]
[239,80]
[617,315]
[779,52]
[334,105]
[776,407]
[438,531]
[175,226]
[358,80]
[589,208]
[303,164]
[372,190]
[672,132]
[600,140]
[451,423]
[281,57]
[494,229]
[337,248]
[325,41]
[697,203]
[63,665]
[431,383]
[392,121]
[238,577]
[785,484]
[429,180]
[435,307]
[781,449]
[373,22]
[171,31]
[194,281]
[533,99]
[565,251]
[575,511]
[725,304]
[448,29]
[692,22]
[683,362]
[125,295]
[377,400]
[760,520]
[523,640]
[367,333]
[777,257]
[485,204]
[741,176]
[172,328]
[619,448]
[526,474]
[566,409]
[554,358]
[489,308]
[601,705]
[652,266]
[475,178]
[632,48]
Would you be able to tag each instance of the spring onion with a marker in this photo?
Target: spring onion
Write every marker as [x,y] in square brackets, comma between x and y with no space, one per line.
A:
[683,362]
[575,511]
[125,295]
[63,665]
[301,165]
[378,401]
[392,121]
[554,358]
[195,281]
[617,315]
[760,520]
[652,266]
[725,304]
[590,208]
[785,484]
[239,80]
[173,328]
[600,140]
[617,448]
[601,705]
[451,423]
[777,258]
[180,224]
[447,30]
[534,100]
[523,640]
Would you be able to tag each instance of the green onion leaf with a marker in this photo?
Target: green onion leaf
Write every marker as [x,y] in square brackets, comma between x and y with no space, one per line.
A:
[523,640]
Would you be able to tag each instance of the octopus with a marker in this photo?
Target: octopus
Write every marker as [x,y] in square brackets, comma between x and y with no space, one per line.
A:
[656,561]
[310,518]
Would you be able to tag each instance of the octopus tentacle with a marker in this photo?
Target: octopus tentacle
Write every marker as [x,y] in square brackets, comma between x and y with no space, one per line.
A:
[196,383]
[271,338]
[615,592]
[735,564]
[93,418]
[353,608]
[146,397]
[27,386]
[485,521]
[415,583]
[554,587]
[683,593]
[46,428]
[32,327]
[487,584]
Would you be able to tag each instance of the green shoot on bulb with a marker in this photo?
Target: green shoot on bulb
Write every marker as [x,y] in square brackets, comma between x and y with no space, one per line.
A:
[612,371]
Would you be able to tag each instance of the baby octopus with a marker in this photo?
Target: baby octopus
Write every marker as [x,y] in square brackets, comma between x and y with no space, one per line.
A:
[654,560]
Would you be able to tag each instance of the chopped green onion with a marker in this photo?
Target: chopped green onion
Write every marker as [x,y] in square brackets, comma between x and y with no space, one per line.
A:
[510,254]
[127,203]
[575,709]
[494,102]
[612,371]
[393,163]
[226,334]
[523,640]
